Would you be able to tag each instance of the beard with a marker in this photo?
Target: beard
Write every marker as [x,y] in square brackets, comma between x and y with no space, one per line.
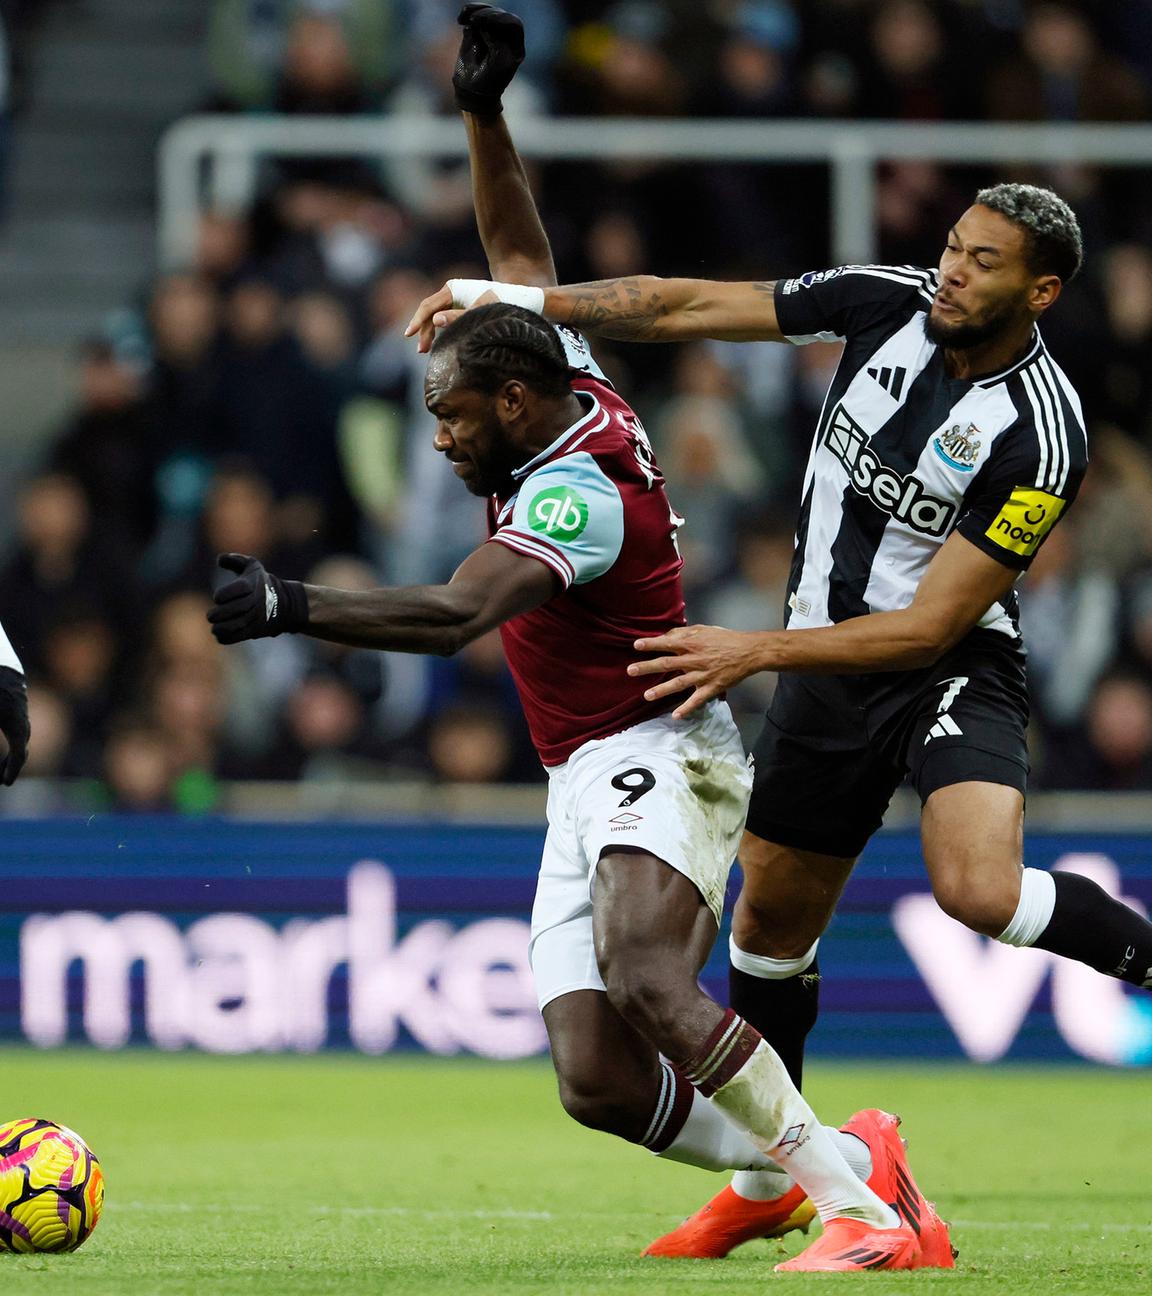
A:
[492,471]
[966,334]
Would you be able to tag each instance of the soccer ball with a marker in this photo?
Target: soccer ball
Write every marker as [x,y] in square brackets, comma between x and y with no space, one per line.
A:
[51,1187]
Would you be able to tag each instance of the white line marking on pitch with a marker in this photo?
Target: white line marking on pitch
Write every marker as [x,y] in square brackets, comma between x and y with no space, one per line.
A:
[412,1212]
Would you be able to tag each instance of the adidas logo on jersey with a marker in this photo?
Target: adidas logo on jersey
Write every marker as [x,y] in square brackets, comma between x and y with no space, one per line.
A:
[904,498]
[945,727]
[892,380]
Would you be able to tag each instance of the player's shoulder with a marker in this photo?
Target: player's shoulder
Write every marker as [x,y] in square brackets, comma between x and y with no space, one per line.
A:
[1050,430]
[1042,392]
[868,283]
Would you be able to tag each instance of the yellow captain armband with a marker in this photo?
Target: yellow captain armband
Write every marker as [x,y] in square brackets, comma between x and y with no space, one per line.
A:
[1026,518]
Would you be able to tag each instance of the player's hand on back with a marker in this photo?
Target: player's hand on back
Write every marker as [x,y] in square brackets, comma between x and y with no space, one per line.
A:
[13,722]
[491,49]
[256,605]
[706,659]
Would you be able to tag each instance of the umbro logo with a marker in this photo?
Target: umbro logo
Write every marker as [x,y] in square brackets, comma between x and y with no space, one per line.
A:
[945,727]
[892,380]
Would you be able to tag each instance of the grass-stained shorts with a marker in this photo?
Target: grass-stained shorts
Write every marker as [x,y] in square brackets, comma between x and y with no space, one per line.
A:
[676,789]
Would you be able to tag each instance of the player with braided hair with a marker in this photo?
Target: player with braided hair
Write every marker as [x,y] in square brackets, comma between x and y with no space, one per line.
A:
[644,811]
[493,349]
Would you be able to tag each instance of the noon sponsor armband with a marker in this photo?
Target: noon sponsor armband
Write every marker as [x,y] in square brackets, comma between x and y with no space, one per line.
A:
[1025,519]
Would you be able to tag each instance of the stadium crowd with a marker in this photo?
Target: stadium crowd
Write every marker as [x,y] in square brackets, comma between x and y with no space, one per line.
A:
[262,399]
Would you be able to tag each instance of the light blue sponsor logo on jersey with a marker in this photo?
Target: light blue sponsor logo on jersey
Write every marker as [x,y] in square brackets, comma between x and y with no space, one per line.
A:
[958,449]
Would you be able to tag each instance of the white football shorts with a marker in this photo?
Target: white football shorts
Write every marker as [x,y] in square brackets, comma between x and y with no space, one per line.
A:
[677,789]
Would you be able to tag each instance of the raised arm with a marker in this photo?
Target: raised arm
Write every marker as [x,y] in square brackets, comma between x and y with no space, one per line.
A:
[514,240]
[491,49]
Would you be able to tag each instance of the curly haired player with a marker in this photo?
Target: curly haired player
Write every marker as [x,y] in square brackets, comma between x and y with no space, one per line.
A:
[949,446]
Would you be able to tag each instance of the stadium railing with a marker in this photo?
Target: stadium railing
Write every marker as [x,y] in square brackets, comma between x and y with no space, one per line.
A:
[214,160]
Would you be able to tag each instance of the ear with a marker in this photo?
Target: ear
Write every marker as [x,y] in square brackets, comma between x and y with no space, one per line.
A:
[512,400]
[1044,292]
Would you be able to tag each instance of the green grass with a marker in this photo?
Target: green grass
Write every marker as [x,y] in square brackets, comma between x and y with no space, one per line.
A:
[346,1174]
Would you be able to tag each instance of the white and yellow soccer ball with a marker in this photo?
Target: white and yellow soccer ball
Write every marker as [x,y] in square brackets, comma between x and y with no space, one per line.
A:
[51,1187]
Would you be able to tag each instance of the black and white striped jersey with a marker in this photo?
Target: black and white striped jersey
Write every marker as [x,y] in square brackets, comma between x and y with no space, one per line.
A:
[904,455]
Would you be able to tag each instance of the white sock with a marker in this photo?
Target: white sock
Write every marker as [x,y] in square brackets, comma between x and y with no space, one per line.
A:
[769,969]
[763,1185]
[1034,911]
[708,1139]
[762,1099]
[854,1150]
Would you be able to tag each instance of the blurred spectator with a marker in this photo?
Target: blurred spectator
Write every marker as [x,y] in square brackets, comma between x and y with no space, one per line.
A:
[108,446]
[752,598]
[1061,74]
[1070,616]
[223,245]
[59,561]
[906,74]
[1123,384]
[51,740]
[81,653]
[317,73]
[621,66]
[1112,751]
[470,743]
[324,734]
[701,442]
[139,770]
[754,64]
[277,412]
[253,42]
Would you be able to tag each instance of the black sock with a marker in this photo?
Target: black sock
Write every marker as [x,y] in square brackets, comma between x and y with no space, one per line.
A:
[783,1011]
[1091,927]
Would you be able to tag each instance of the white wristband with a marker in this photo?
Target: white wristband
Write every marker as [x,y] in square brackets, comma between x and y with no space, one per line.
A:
[8,654]
[466,292]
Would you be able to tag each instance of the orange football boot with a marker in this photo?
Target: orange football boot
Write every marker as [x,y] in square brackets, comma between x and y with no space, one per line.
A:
[729,1220]
[891,1180]
[851,1246]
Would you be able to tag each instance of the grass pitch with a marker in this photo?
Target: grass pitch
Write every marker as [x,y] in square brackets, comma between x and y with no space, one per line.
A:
[343,1174]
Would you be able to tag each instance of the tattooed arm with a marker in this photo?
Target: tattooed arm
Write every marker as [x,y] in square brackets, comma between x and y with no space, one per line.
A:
[640,308]
[643,308]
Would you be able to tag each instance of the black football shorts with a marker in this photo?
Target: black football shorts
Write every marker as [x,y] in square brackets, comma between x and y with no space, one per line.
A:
[836,747]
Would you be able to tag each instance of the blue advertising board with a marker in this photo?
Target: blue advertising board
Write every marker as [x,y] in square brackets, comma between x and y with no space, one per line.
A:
[236,937]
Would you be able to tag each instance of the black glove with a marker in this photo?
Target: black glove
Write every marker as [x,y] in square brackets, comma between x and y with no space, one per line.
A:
[13,723]
[491,50]
[257,605]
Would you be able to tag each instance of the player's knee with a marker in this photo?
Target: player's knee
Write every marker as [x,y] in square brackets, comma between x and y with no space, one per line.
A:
[778,931]
[645,996]
[985,907]
[599,1107]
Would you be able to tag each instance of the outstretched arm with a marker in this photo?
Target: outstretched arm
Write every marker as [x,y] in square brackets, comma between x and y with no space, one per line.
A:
[643,308]
[960,585]
[491,586]
[639,308]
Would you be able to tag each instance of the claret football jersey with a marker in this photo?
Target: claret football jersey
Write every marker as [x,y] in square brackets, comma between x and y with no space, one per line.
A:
[592,508]
[905,455]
